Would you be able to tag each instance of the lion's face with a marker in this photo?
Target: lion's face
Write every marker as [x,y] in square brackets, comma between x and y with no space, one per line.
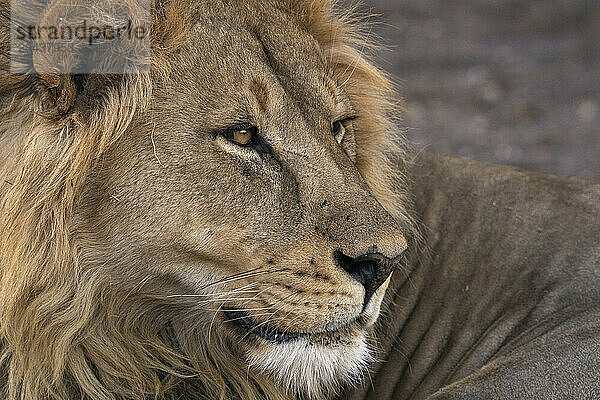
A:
[236,198]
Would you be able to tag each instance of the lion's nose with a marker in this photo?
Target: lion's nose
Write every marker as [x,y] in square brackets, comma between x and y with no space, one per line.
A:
[371,269]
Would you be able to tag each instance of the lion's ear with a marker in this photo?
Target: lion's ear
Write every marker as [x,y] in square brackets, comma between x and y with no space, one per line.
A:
[74,48]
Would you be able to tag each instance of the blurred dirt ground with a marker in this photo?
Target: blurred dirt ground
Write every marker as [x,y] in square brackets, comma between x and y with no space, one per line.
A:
[506,81]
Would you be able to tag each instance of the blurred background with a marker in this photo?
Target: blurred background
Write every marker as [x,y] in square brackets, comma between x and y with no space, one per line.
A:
[506,81]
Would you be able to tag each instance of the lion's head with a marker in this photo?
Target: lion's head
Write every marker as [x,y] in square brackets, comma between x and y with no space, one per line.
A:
[223,225]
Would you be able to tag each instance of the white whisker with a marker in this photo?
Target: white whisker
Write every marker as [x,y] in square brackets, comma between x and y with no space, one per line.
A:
[359,56]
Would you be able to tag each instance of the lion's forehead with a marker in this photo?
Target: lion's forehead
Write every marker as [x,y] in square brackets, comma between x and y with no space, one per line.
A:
[228,50]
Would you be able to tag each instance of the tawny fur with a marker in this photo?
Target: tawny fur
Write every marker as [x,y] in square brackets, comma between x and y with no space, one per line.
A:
[68,333]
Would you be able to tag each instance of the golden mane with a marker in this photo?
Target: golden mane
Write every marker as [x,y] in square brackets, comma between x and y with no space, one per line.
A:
[69,333]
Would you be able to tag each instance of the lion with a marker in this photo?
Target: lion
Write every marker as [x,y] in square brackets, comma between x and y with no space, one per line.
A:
[226,223]
[181,233]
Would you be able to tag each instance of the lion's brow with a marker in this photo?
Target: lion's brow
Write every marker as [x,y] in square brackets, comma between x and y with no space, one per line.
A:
[261,93]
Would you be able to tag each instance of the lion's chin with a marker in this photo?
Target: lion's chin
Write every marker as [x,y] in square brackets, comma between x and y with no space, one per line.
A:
[307,365]
[309,368]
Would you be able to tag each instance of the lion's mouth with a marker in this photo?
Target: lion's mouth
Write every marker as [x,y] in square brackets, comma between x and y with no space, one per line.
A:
[247,326]
[250,327]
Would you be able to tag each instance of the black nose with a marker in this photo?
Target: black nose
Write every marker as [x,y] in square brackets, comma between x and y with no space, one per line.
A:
[372,270]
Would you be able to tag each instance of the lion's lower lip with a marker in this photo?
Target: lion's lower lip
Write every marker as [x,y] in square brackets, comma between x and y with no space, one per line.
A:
[243,321]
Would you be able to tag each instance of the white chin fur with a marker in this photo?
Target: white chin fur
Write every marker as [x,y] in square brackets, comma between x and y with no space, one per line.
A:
[313,371]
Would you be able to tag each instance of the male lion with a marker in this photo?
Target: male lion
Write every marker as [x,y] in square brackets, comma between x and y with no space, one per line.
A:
[225,224]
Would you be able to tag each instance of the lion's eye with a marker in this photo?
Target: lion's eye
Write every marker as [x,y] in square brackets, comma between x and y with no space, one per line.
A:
[241,137]
[338,130]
